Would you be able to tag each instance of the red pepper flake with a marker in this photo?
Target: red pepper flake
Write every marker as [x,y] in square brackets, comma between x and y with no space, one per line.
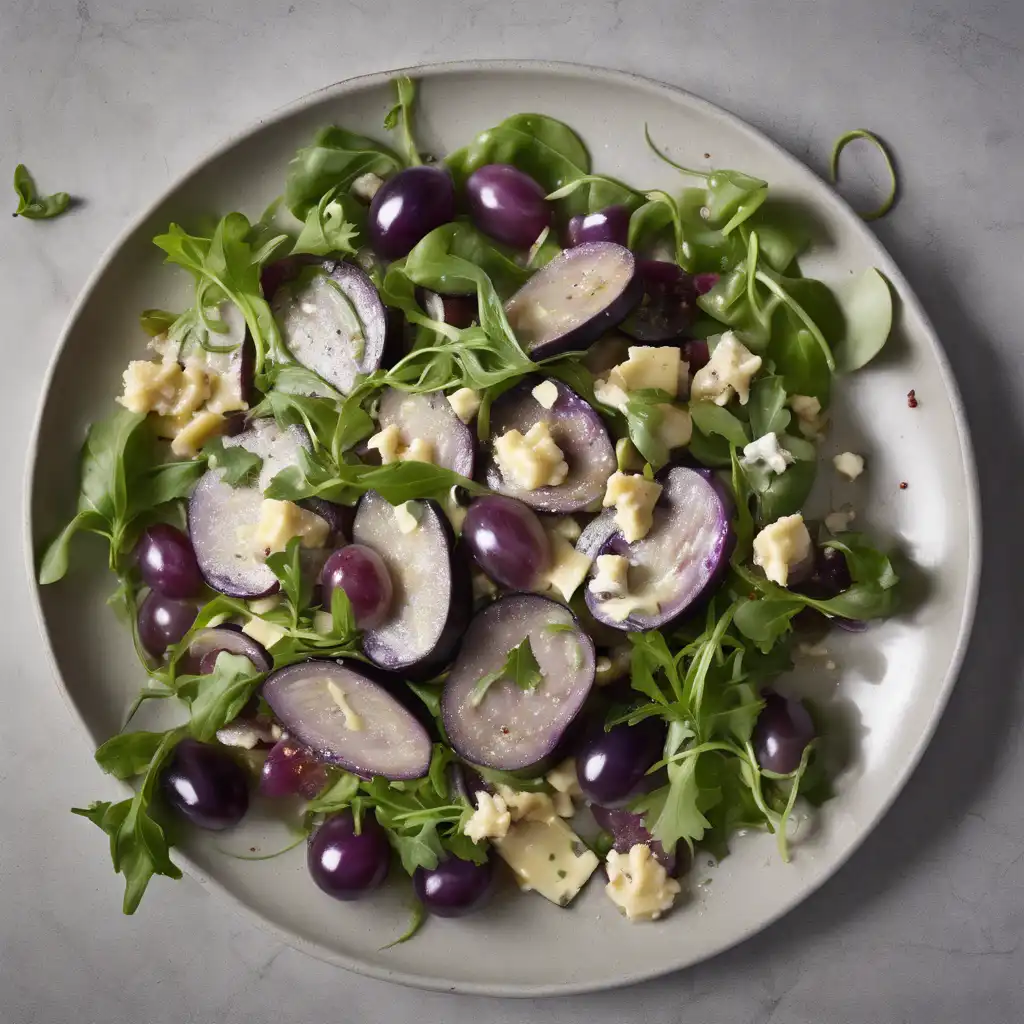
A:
[504,730]
[911,399]
[904,485]
[707,156]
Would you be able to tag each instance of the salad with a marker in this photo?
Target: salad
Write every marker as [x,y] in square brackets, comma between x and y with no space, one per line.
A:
[461,517]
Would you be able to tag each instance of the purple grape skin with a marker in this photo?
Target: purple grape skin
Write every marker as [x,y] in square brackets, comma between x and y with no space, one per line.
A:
[345,865]
[627,829]
[167,562]
[612,766]
[782,731]
[362,574]
[409,206]
[163,622]
[507,204]
[829,575]
[455,887]
[507,541]
[205,784]
[291,770]
[667,308]
[608,225]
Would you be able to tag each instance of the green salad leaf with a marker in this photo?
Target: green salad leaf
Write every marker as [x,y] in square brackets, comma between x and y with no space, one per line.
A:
[238,466]
[520,668]
[862,133]
[399,118]
[334,225]
[218,697]
[296,585]
[33,206]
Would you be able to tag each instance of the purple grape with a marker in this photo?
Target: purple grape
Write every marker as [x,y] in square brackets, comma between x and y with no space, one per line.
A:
[696,354]
[291,769]
[362,574]
[455,887]
[346,865]
[783,729]
[668,305]
[409,206]
[163,622]
[507,204]
[507,541]
[612,766]
[205,784]
[168,563]
[828,577]
[703,283]
[608,225]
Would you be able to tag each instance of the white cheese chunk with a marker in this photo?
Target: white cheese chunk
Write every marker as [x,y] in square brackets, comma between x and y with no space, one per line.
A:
[611,392]
[388,442]
[264,605]
[365,187]
[323,622]
[649,367]
[246,734]
[781,546]
[563,779]
[530,460]
[547,857]
[191,437]
[490,820]
[569,567]
[808,415]
[353,721]
[527,805]
[281,520]
[610,578]
[849,465]
[546,393]
[419,450]
[634,498]
[639,885]
[564,526]
[839,522]
[675,428]
[407,516]
[728,372]
[465,403]
[618,609]
[264,632]
[767,450]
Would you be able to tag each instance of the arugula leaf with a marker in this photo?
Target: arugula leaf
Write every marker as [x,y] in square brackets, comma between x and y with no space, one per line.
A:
[417,918]
[400,117]
[711,419]
[867,310]
[33,206]
[139,848]
[767,407]
[54,564]
[866,564]
[520,668]
[129,754]
[218,697]
[334,225]
[337,795]
[238,466]
[335,159]
[157,321]
[650,655]
[296,585]
[397,482]
[419,850]
[766,620]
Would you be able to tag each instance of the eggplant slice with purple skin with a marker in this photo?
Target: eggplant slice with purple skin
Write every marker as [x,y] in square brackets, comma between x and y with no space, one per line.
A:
[511,728]
[677,564]
[578,431]
[627,829]
[332,321]
[430,417]
[569,303]
[208,643]
[217,512]
[348,718]
[433,592]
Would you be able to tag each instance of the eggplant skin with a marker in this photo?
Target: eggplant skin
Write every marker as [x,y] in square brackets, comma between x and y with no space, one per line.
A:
[460,605]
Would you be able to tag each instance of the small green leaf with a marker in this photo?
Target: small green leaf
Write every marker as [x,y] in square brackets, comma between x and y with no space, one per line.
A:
[296,585]
[238,466]
[54,564]
[711,419]
[337,795]
[400,117]
[861,133]
[218,697]
[867,309]
[128,754]
[157,321]
[416,920]
[33,206]
[421,850]
[520,668]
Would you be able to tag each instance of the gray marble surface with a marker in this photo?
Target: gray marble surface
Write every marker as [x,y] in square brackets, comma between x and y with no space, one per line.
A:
[113,101]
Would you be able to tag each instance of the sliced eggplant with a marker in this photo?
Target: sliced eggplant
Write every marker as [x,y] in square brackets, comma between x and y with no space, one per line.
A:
[574,299]
[430,417]
[219,515]
[332,321]
[348,718]
[669,304]
[677,564]
[578,431]
[430,576]
[207,644]
[511,728]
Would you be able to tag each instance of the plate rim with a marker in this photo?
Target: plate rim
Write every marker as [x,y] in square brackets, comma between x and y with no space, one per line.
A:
[908,298]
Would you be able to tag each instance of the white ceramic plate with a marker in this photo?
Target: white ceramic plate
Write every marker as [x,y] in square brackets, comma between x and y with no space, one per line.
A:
[884,697]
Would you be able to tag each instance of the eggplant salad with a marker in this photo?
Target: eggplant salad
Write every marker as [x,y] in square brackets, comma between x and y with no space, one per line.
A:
[461,517]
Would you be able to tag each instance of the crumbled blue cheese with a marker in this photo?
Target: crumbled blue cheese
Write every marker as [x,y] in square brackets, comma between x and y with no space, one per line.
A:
[849,465]
[490,820]
[531,460]
[569,567]
[564,526]
[566,785]
[388,442]
[767,450]
[728,372]
[808,415]
[634,498]
[674,428]
[781,546]
[839,522]
[639,884]
[366,186]
[611,576]
[281,520]
[649,367]
[407,516]
[546,393]
[465,403]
